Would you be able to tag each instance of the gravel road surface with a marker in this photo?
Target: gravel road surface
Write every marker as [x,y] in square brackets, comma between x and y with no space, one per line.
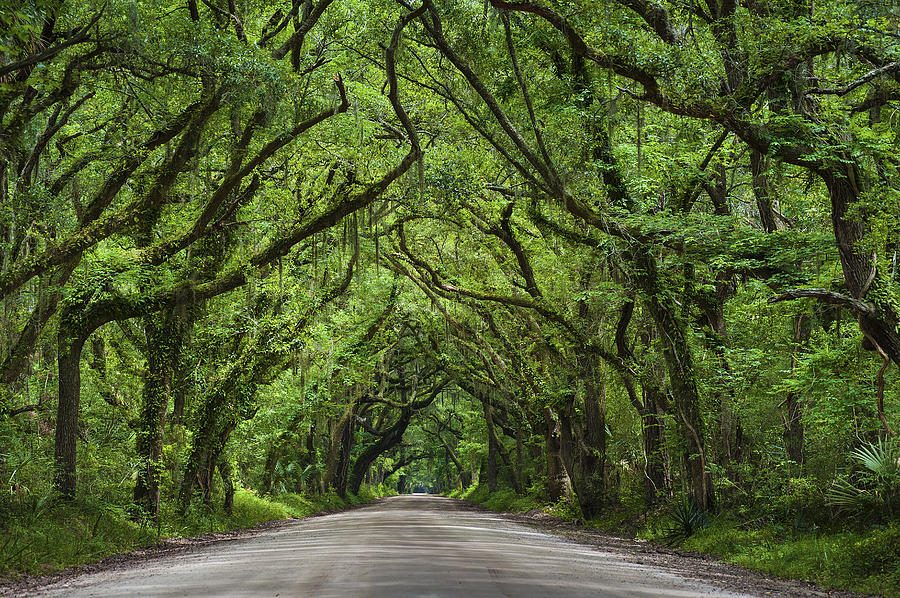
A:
[422,546]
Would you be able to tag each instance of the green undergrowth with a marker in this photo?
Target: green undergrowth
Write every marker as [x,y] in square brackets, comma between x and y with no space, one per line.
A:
[506,500]
[503,500]
[39,536]
[862,559]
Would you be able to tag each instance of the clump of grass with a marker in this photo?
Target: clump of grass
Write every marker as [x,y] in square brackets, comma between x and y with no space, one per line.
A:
[251,509]
[507,500]
[370,493]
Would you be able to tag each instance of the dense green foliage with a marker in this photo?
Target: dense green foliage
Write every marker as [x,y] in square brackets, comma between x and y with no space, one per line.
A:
[622,257]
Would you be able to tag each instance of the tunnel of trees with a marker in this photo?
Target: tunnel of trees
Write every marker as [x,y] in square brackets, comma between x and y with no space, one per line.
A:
[615,252]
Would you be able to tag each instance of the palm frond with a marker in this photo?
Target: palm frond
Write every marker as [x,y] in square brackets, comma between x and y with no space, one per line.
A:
[879,457]
[845,496]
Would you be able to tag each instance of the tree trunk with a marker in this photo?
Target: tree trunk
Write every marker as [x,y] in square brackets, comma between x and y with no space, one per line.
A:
[653,436]
[389,440]
[791,411]
[558,484]
[157,386]
[343,468]
[491,471]
[514,477]
[680,367]
[207,443]
[332,459]
[588,442]
[758,166]
[268,479]
[66,438]
[881,328]
[179,391]
[584,465]
[225,471]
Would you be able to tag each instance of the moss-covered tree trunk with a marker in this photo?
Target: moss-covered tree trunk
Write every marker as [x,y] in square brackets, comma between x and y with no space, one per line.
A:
[584,445]
[657,482]
[558,484]
[791,408]
[682,378]
[334,462]
[69,348]
[583,454]
[388,440]
[343,470]
[489,468]
[161,355]
[225,471]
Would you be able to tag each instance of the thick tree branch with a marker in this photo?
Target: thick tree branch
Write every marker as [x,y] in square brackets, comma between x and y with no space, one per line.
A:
[826,296]
[891,67]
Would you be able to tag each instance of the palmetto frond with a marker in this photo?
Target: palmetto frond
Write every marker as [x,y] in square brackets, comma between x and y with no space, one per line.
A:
[881,458]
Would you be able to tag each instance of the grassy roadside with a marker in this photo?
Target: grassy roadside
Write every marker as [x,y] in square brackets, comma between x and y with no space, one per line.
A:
[41,536]
[863,559]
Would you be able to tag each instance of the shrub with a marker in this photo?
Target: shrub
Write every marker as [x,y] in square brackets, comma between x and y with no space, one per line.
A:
[876,488]
[684,520]
[565,508]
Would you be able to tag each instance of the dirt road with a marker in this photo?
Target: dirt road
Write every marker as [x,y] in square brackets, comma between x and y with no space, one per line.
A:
[419,546]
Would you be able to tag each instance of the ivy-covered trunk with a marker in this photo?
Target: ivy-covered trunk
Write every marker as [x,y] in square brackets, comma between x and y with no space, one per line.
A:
[225,471]
[582,445]
[583,454]
[682,379]
[342,474]
[162,354]
[334,462]
[389,439]
[880,323]
[590,458]
[657,482]
[207,443]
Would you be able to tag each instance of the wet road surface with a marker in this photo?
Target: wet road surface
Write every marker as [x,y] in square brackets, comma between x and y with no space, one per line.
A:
[405,546]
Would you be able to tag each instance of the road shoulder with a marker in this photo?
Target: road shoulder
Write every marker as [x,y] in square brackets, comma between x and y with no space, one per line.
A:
[688,565]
